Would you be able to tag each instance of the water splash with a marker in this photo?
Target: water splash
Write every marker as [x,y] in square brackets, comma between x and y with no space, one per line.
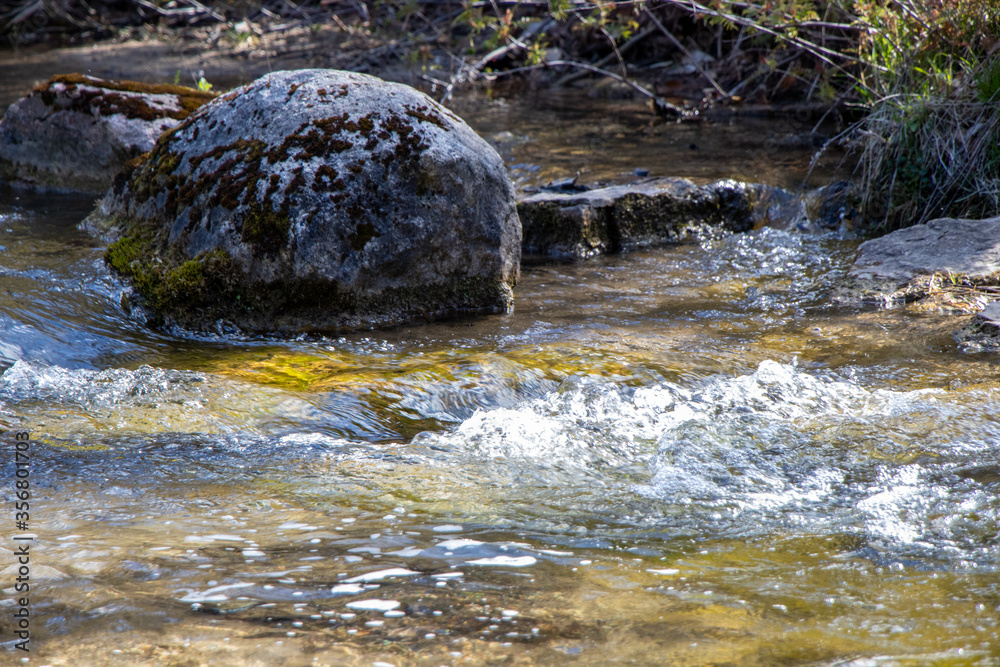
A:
[778,449]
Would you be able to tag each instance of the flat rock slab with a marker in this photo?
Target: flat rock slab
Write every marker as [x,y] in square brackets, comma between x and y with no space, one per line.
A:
[577,225]
[315,200]
[961,248]
[75,132]
[947,265]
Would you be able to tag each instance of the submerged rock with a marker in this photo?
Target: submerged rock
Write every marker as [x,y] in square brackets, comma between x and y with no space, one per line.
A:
[315,200]
[942,265]
[575,225]
[983,331]
[75,132]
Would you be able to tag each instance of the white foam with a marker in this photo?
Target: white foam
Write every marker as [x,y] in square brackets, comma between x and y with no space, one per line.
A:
[505,561]
[296,525]
[408,552]
[347,589]
[373,605]
[214,538]
[447,528]
[382,574]
[451,545]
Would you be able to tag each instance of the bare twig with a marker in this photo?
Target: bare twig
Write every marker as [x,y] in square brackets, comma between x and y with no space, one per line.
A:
[829,56]
[520,43]
[569,78]
[614,48]
[19,14]
[193,9]
[690,56]
[454,80]
[660,103]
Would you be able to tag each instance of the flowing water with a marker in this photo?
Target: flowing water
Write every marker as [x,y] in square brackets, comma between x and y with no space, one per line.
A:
[686,456]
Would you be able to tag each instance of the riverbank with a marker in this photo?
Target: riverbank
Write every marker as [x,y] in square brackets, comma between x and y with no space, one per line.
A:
[916,79]
[440,56]
[543,134]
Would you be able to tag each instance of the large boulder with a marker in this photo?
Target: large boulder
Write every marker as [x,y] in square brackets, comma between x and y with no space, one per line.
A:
[315,200]
[75,132]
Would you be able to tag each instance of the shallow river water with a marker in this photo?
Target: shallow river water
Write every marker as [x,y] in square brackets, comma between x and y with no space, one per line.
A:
[685,456]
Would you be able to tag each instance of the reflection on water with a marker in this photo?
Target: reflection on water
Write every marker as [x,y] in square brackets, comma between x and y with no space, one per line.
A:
[679,456]
[555,135]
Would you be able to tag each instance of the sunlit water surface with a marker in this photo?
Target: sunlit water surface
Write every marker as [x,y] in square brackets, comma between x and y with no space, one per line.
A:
[681,456]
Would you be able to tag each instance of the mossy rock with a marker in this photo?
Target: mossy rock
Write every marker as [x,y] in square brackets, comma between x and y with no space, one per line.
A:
[75,132]
[582,224]
[315,200]
[625,217]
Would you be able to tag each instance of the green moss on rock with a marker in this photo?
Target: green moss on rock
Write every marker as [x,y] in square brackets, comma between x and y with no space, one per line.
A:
[197,292]
[265,229]
[232,191]
[168,284]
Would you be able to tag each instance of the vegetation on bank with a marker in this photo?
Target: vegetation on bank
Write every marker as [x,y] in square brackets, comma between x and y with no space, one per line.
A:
[923,75]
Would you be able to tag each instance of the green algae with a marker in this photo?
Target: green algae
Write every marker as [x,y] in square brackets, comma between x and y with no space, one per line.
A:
[340,370]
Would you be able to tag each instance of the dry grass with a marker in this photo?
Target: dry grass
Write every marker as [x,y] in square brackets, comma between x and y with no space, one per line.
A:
[924,158]
[930,143]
